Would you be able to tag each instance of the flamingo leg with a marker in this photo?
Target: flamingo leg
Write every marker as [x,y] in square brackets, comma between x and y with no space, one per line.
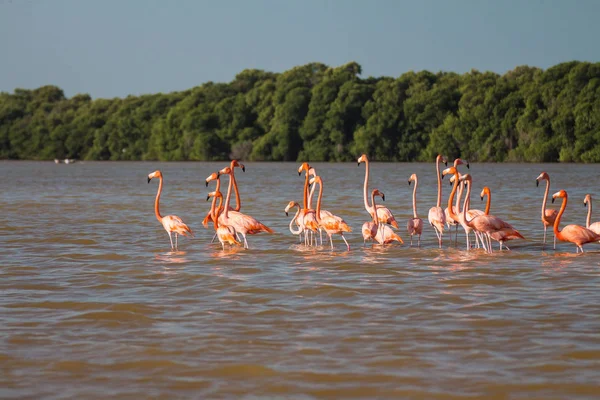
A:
[554,242]
[419,242]
[455,234]
[331,241]
[321,235]
[491,250]
[543,245]
[468,244]
[411,240]
[245,241]
[347,245]
[171,239]
[176,244]
[214,237]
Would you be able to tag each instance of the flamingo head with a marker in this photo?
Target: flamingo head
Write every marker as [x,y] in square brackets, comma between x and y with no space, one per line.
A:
[225,171]
[303,167]
[465,178]
[484,192]
[560,193]
[441,158]
[362,158]
[155,174]
[452,178]
[460,161]
[542,176]
[315,179]
[291,205]
[449,170]
[587,199]
[377,192]
[212,177]
[216,193]
[413,177]
[236,163]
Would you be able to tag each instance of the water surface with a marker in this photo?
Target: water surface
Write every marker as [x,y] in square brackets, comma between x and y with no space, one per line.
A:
[95,305]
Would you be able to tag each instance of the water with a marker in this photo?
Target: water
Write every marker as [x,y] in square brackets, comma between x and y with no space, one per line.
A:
[95,305]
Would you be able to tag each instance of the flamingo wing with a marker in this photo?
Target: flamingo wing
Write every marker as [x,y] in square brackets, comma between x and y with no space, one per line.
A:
[385,215]
[173,223]
[437,218]
[578,234]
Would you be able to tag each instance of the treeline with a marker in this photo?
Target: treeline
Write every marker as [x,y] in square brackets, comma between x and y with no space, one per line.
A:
[318,113]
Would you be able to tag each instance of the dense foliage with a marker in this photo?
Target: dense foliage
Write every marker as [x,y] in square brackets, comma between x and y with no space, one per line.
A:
[315,113]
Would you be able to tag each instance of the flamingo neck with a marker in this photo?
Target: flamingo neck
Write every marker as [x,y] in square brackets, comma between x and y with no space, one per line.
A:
[366,188]
[461,188]
[305,194]
[467,203]
[545,199]
[293,220]
[310,196]
[214,213]
[414,199]
[375,219]
[451,212]
[318,212]
[439,180]
[157,201]
[488,203]
[557,232]
[228,198]
[589,214]
[238,202]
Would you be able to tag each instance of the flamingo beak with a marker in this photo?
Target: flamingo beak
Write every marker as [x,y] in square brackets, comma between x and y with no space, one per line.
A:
[443,176]
[149,179]
[446,163]
[553,200]
[537,183]
[383,197]
[299,173]
[286,213]
[408,183]
[481,198]
[206,183]
[468,165]
[358,164]
[207,198]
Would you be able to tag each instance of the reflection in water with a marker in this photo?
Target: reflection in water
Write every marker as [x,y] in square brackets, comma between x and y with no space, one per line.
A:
[83,304]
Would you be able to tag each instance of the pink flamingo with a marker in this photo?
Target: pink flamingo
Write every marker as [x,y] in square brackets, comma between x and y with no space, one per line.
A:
[595,227]
[307,215]
[493,227]
[576,234]
[383,213]
[225,233]
[238,201]
[171,223]
[548,215]
[332,224]
[324,213]
[243,224]
[414,225]
[382,234]
[436,215]
[449,221]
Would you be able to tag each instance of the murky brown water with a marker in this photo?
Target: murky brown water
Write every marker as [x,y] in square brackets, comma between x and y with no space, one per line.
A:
[94,305]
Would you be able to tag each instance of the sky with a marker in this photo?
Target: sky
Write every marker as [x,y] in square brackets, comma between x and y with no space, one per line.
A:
[114,48]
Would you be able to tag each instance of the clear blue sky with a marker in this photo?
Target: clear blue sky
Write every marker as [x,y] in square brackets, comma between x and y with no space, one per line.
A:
[111,48]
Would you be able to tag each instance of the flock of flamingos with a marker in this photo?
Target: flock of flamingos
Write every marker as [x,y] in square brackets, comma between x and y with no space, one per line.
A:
[229,223]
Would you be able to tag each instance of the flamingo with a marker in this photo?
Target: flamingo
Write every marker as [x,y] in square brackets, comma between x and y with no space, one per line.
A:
[414,225]
[436,215]
[383,213]
[548,215]
[449,221]
[243,224]
[225,233]
[333,224]
[493,227]
[595,227]
[291,205]
[468,213]
[576,234]
[171,223]
[313,172]
[384,234]
[238,202]
[307,216]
